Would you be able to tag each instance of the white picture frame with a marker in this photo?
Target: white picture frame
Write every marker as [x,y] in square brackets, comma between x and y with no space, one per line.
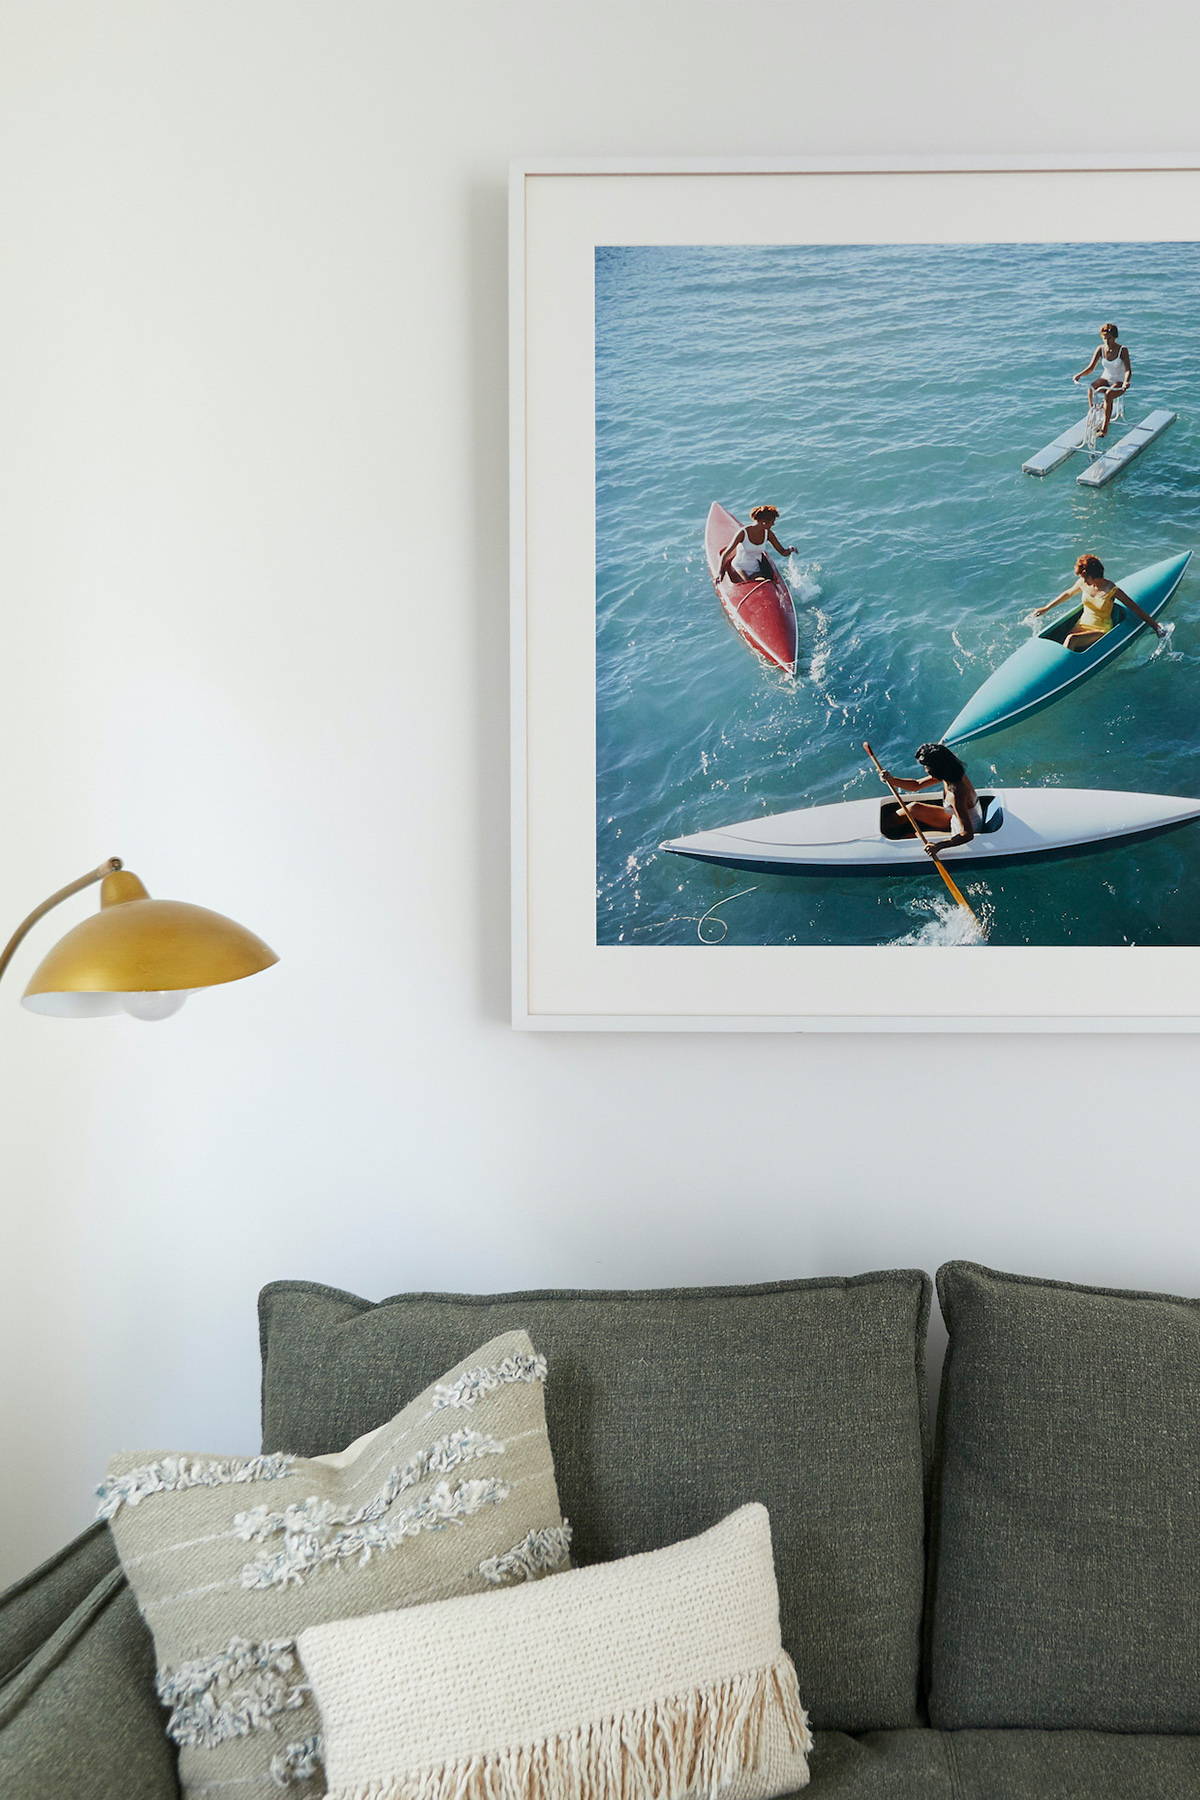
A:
[563,979]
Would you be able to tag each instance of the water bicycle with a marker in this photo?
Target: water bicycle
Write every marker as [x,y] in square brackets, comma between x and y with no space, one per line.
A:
[1103,463]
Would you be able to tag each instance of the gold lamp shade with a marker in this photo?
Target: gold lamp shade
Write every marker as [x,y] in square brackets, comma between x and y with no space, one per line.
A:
[141,956]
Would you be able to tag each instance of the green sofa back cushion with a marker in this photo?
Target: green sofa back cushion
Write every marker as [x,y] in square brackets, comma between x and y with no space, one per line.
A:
[666,1411]
[1065,1567]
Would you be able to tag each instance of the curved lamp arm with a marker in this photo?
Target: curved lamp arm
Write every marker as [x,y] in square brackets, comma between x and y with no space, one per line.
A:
[39,912]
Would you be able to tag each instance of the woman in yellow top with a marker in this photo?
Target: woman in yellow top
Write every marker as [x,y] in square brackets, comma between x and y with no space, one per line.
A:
[1098,597]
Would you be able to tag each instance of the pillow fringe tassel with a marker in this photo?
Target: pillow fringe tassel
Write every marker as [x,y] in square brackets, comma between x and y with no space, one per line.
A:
[696,1743]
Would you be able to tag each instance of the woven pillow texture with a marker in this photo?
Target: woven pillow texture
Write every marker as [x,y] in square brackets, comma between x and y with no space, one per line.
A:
[661,1674]
[230,1557]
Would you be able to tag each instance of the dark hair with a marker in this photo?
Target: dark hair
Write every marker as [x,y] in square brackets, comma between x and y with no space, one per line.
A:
[756,512]
[940,762]
[1090,566]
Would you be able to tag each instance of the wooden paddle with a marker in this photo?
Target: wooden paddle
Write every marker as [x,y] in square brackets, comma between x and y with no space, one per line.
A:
[935,860]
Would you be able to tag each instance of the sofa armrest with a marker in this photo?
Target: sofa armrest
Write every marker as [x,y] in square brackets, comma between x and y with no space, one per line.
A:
[81,1718]
[32,1610]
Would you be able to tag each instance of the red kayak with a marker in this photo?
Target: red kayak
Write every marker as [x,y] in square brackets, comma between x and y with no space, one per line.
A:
[761,609]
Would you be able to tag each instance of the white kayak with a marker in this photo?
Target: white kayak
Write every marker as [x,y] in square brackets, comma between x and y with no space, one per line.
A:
[874,837]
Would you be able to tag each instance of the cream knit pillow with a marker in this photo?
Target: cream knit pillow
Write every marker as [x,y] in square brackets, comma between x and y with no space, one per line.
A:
[230,1557]
[652,1678]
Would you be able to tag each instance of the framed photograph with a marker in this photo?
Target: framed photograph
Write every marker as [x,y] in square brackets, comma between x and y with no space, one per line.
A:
[856,625]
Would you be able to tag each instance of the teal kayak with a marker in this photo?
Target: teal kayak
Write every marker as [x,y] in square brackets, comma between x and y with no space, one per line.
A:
[1042,670]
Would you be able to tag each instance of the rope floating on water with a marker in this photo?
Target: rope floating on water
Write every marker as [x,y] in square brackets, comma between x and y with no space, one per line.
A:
[703,920]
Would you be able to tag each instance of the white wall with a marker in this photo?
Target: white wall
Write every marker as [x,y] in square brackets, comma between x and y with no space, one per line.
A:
[252,338]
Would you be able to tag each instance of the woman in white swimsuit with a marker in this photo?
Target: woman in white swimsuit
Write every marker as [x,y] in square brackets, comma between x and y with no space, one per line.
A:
[745,557]
[1116,373]
[960,812]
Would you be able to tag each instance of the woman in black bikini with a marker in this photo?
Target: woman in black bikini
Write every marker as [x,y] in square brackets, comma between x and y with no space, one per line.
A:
[960,812]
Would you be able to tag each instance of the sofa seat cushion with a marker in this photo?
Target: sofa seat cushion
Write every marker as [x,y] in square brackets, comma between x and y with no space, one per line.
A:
[1072,1765]
[667,1410]
[882,1765]
[1002,1765]
[1065,1554]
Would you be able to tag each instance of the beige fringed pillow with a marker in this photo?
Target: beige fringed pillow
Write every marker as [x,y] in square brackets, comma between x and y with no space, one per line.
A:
[660,1675]
[230,1557]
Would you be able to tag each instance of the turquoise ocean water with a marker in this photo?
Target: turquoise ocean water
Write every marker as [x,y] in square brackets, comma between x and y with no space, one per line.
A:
[884,398]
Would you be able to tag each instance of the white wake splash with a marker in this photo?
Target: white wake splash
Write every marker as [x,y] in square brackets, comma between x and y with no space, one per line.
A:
[945,926]
[802,579]
[1163,646]
[818,662]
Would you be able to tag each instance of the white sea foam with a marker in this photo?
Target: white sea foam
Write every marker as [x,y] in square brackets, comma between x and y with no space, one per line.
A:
[802,579]
[818,662]
[1164,646]
[945,926]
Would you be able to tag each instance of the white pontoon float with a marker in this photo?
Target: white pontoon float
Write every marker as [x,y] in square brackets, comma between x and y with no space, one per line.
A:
[1104,464]
[1111,462]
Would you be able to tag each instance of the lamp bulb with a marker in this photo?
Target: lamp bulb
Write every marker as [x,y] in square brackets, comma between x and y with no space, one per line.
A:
[154,1005]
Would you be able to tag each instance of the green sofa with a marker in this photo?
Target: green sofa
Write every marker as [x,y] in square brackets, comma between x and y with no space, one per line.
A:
[1010,1610]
